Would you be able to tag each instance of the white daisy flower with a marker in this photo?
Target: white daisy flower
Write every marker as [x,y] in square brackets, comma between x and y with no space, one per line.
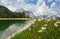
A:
[39,19]
[48,19]
[42,18]
[45,25]
[29,29]
[43,28]
[40,30]
[45,18]
[58,22]
[55,25]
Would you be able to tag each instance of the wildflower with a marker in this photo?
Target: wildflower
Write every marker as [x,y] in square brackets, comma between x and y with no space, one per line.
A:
[42,18]
[45,18]
[29,29]
[55,24]
[39,19]
[40,30]
[45,25]
[48,19]
[43,28]
[58,22]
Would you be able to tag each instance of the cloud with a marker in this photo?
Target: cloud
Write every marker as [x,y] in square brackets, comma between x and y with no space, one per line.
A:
[12,4]
[18,0]
[42,9]
[38,9]
[53,5]
[55,8]
[50,0]
[12,9]
[2,2]
[57,0]
[39,2]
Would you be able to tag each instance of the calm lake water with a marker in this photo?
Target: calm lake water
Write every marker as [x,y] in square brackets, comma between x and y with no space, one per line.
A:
[5,24]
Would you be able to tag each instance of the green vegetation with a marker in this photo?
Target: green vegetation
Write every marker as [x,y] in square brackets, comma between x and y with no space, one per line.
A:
[41,30]
[5,24]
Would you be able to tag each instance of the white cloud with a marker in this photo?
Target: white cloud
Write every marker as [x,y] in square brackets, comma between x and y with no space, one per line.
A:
[37,9]
[42,9]
[39,2]
[53,5]
[12,9]
[57,0]
[2,2]
[50,0]
[18,0]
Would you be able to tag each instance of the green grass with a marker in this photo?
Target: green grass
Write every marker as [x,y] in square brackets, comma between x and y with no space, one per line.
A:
[51,31]
[6,23]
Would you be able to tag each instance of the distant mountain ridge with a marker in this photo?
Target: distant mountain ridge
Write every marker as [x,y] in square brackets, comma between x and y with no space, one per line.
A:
[6,13]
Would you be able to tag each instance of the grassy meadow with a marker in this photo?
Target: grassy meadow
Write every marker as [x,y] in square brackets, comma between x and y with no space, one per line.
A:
[41,29]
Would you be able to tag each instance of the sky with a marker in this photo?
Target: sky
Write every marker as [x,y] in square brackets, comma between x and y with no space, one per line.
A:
[38,7]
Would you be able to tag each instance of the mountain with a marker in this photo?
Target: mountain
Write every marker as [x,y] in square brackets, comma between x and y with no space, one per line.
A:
[6,13]
[27,13]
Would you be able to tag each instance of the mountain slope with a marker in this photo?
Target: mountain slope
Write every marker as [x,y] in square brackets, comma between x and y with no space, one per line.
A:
[6,13]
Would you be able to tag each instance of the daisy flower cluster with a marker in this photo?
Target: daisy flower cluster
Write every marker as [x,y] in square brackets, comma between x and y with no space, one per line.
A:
[43,28]
[39,19]
[56,24]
